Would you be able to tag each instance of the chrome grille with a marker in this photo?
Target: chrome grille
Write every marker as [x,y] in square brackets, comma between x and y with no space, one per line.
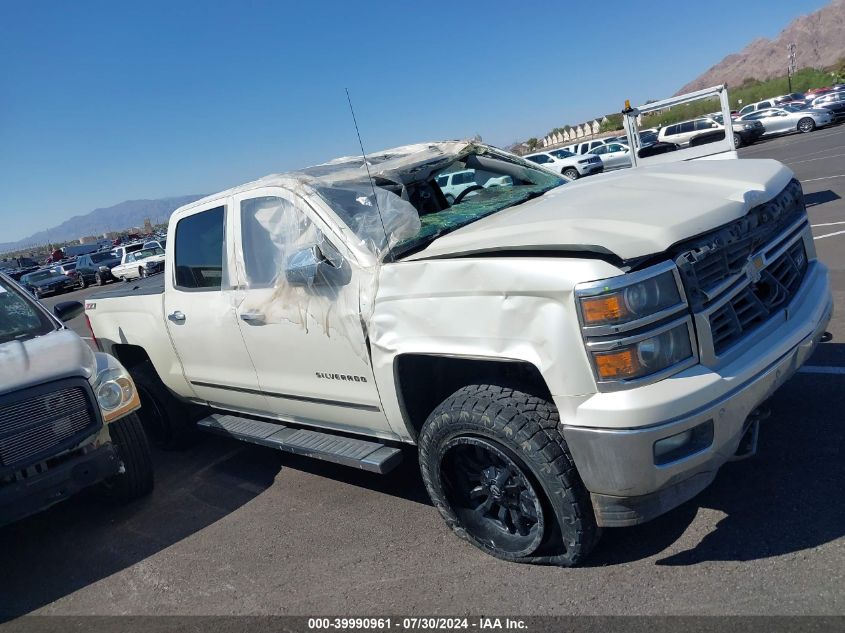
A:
[739,275]
[755,303]
[35,426]
[711,262]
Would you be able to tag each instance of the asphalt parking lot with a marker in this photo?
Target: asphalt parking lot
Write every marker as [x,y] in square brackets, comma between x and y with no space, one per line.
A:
[235,529]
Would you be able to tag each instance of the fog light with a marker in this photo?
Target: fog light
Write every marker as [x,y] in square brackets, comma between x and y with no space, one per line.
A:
[683,444]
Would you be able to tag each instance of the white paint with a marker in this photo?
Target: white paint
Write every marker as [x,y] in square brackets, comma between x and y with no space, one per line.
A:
[821,237]
[824,178]
[810,160]
[819,369]
[826,224]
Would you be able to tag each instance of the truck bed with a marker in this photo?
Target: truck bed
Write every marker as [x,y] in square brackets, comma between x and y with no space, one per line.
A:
[150,286]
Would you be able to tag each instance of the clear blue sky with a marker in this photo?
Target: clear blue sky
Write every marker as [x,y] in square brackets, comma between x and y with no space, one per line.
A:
[102,102]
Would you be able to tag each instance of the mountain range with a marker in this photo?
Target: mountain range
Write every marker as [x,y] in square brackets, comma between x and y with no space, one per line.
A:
[819,40]
[116,218]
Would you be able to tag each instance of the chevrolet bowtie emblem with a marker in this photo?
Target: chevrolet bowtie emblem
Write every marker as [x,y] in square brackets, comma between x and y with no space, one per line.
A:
[753,268]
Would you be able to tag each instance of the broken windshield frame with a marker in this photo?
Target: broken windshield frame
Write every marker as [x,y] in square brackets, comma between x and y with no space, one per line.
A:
[415,205]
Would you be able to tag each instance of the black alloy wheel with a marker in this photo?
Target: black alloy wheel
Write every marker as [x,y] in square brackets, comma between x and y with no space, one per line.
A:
[492,495]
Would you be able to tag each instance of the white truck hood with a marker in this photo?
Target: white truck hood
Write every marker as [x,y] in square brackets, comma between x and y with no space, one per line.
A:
[629,213]
[53,356]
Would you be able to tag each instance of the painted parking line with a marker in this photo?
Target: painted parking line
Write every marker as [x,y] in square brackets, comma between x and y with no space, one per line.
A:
[810,160]
[821,369]
[821,237]
[824,178]
[826,224]
[801,139]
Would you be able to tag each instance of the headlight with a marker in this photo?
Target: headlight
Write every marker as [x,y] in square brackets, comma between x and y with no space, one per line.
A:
[639,358]
[636,326]
[614,304]
[115,391]
[748,126]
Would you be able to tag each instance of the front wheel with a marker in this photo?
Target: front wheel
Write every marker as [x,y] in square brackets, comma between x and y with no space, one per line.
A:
[83,283]
[98,277]
[737,140]
[500,473]
[142,272]
[571,173]
[136,476]
[806,125]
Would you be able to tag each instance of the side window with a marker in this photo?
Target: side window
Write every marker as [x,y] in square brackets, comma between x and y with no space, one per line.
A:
[672,129]
[686,127]
[272,229]
[764,104]
[599,150]
[442,180]
[199,250]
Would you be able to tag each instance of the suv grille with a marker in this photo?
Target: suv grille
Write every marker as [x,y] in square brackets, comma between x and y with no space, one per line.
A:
[49,420]
[741,274]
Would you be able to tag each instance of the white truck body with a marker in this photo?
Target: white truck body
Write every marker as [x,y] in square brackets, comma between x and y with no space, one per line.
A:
[365,353]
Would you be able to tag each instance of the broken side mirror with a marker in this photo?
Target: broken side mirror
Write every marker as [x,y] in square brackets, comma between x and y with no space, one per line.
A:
[317,265]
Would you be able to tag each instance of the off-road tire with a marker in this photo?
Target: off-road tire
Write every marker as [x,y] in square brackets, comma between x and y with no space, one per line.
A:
[136,480]
[167,420]
[571,173]
[526,427]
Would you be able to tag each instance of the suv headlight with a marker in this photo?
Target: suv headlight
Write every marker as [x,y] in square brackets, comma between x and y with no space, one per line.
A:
[636,327]
[114,389]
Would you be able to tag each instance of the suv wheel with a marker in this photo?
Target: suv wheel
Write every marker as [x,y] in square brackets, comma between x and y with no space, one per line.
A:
[136,480]
[98,277]
[83,283]
[571,173]
[806,125]
[737,140]
[142,272]
[500,473]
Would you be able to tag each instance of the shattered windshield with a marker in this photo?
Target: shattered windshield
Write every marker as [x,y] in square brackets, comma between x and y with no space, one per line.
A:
[417,202]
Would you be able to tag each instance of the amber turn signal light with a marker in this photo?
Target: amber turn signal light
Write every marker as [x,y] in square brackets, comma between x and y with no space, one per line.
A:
[617,365]
[603,309]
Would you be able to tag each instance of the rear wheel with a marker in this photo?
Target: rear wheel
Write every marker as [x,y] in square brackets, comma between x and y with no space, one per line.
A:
[136,478]
[169,423]
[571,173]
[806,125]
[500,473]
[83,283]
[142,272]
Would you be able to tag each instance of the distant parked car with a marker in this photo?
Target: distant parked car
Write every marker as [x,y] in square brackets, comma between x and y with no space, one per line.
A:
[156,243]
[613,155]
[46,282]
[564,162]
[456,183]
[95,268]
[66,268]
[790,119]
[760,105]
[142,263]
[830,97]
[708,130]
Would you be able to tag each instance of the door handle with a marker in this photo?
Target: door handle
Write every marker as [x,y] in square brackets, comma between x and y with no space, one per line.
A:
[177,316]
[252,317]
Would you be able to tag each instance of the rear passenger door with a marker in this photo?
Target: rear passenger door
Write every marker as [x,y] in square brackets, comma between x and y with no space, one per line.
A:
[200,307]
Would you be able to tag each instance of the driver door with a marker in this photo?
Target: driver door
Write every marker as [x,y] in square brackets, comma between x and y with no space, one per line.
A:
[303,333]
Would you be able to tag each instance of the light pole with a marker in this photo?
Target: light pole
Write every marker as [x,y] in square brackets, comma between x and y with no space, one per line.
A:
[790,66]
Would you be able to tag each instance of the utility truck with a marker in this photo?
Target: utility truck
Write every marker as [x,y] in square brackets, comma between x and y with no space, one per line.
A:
[563,356]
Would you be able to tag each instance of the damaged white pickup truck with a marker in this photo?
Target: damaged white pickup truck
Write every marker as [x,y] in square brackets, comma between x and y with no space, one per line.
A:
[565,356]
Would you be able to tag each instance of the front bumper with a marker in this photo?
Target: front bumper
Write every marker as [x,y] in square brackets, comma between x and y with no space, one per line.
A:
[589,169]
[38,492]
[618,466]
